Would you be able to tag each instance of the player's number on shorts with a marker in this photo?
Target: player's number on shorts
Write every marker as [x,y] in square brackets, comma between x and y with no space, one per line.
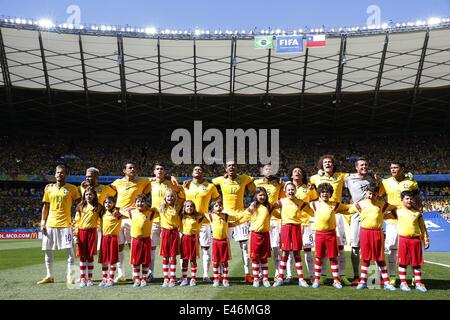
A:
[68,238]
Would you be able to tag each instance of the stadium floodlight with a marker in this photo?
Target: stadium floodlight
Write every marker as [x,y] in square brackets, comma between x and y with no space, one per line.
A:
[108,28]
[434,21]
[18,21]
[150,30]
[45,23]
[278,31]
[81,27]
[300,30]
[197,32]
[384,26]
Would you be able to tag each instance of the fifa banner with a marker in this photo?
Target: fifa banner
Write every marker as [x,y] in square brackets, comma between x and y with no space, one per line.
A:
[18,234]
[263,42]
[438,230]
[289,44]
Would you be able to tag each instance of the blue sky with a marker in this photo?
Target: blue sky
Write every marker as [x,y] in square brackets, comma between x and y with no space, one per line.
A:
[232,14]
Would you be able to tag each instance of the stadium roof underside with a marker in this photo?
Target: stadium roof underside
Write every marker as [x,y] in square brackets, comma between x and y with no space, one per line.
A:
[386,83]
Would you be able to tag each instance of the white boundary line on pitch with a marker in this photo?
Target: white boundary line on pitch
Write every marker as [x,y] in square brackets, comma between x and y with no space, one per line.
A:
[439,264]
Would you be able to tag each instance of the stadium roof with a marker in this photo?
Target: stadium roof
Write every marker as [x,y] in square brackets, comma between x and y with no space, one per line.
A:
[386,75]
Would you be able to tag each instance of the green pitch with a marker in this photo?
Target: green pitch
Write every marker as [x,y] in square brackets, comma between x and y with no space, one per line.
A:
[22,264]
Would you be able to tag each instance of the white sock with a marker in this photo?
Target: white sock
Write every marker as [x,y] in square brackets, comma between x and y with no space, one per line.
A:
[289,265]
[341,262]
[206,261]
[276,259]
[309,263]
[152,262]
[355,261]
[49,263]
[120,265]
[244,251]
[392,263]
[71,262]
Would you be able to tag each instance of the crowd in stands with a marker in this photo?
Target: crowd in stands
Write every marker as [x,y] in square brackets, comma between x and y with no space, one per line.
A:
[20,207]
[438,204]
[422,155]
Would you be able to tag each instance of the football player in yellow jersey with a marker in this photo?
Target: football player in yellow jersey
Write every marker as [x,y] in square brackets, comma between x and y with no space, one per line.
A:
[328,173]
[325,212]
[305,192]
[92,176]
[141,225]
[233,188]
[191,223]
[56,223]
[291,212]
[260,214]
[87,218]
[275,191]
[412,232]
[201,192]
[160,184]
[128,188]
[109,255]
[372,213]
[392,187]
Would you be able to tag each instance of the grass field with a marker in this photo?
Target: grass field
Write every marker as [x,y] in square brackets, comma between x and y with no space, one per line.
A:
[22,264]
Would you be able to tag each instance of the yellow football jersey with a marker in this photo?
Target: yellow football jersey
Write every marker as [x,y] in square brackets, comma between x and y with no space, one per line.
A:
[102,192]
[201,194]
[159,190]
[141,222]
[190,225]
[220,224]
[411,224]
[127,191]
[325,214]
[305,194]
[88,218]
[393,188]
[110,224]
[60,200]
[372,214]
[260,219]
[274,189]
[293,211]
[337,181]
[170,219]
[233,191]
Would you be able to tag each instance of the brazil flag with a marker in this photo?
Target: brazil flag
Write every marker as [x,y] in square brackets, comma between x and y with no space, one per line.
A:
[263,42]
